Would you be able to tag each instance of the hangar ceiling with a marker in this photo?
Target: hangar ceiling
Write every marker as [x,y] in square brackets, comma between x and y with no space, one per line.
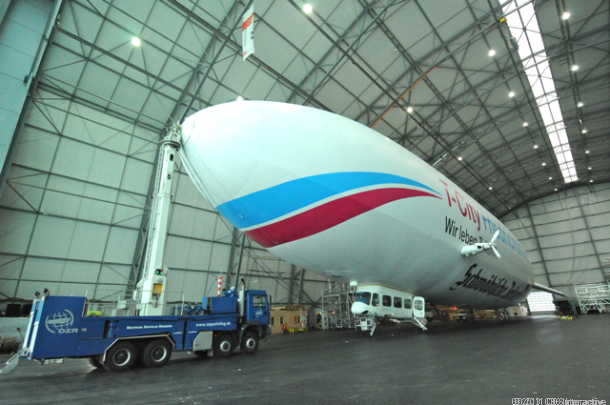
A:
[356,58]
[74,210]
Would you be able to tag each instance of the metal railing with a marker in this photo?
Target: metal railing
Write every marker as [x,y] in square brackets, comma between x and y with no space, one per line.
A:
[102,302]
[594,296]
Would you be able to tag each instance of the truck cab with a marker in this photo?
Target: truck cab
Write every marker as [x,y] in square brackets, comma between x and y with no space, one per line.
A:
[257,308]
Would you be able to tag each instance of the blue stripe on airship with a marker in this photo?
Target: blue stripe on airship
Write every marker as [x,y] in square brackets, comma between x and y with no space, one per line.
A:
[274,202]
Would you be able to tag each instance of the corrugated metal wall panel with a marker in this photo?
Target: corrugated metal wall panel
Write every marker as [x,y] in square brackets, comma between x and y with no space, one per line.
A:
[573,230]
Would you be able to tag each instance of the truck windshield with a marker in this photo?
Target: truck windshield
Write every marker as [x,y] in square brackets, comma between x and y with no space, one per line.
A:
[364,297]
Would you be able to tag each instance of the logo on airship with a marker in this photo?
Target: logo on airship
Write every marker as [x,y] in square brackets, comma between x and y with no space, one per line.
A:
[310,205]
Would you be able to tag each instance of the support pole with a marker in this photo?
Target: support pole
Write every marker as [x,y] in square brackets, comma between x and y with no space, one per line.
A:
[241,255]
[150,290]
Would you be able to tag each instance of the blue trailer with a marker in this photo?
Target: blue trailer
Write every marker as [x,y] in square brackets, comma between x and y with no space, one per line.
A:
[58,329]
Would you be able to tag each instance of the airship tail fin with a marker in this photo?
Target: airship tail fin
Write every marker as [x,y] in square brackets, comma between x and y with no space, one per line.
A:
[542,287]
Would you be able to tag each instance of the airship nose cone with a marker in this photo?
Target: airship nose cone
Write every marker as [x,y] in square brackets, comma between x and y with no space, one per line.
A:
[359,308]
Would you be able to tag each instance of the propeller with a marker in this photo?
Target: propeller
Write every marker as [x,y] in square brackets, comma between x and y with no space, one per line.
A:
[480,247]
[492,244]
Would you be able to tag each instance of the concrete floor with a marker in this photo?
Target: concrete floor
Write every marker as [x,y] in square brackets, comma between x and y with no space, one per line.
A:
[486,362]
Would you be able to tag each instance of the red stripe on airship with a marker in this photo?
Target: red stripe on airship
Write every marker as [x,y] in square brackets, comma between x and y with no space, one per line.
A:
[328,215]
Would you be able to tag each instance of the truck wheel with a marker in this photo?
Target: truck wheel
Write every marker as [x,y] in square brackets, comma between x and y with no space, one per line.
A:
[95,362]
[249,343]
[156,353]
[121,357]
[224,346]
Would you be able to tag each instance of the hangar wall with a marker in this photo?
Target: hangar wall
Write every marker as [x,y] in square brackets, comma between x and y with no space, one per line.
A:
[566,235]
[73,203]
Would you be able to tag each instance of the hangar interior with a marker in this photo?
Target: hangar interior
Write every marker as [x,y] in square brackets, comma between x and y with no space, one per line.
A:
[517,117]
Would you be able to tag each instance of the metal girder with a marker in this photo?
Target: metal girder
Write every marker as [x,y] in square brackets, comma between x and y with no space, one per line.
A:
[318,65]
[495,77]
[374,82]
[210,67]
[591,240]
[437,93]
[345,53]
[420,61]
[127,63]
[457,117]
[237,47]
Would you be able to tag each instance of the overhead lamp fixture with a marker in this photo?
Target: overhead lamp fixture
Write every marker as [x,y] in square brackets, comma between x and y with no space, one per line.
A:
[584,131]
[409,109]
[492,52]
[591,181]
[535,146]
[239,98]
[551,178]
[587,151]
[491,188]
[511,94]
[565,15]
[460,158]
[555,189]
[580,104]
[135,41]
[574,68]
[543,164]
[307,8]
[525,124]
[589,167]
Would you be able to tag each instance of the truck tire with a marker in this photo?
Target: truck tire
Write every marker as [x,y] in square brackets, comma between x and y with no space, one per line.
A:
[122,356]
[156,353]
[95,362]
[224,345]
[249,343]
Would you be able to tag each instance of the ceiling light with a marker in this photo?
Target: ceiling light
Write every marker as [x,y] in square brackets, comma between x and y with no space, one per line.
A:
[525,124]
[135,41]
[574,68]
[239,98]
[550,178]
[491,188]
[591,181]
[584,131]
[535,146]
[409,109]
[307,8]
[555,189]
[460,158]
[511,94]
[589,167]
[565,16]
[580,104]
[587,151]
[543,164]
[492,52]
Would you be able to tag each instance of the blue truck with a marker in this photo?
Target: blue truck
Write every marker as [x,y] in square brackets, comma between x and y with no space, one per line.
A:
[58,329]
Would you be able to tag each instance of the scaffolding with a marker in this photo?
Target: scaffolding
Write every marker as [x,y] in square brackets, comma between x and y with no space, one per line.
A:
[337,299]
[593,296]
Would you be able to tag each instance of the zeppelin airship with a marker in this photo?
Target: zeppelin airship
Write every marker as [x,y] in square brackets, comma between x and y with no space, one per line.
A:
[333,196]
